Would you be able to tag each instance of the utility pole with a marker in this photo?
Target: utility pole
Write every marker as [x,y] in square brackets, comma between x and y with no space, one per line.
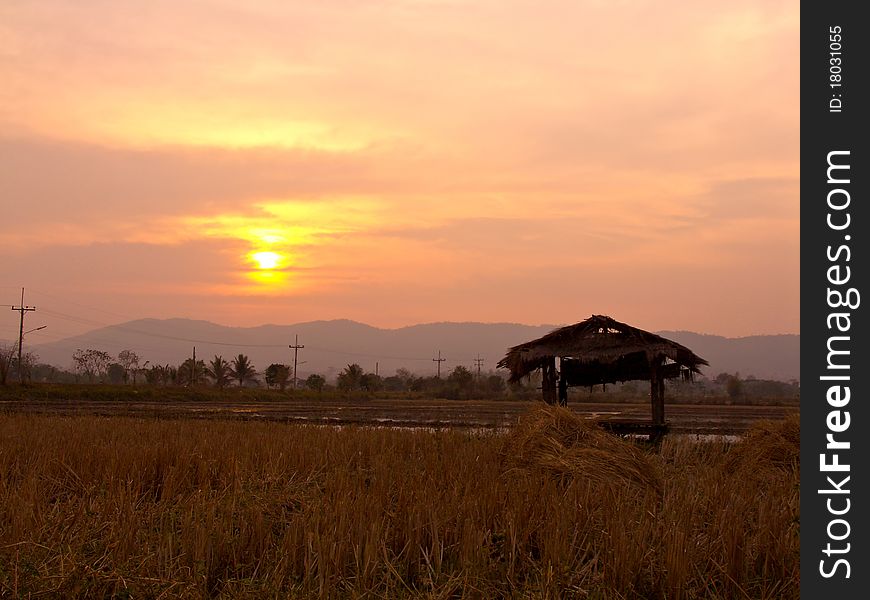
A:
[377,374]
[295,348]
[21,309]
[193,369]
[439,360]
[478,361]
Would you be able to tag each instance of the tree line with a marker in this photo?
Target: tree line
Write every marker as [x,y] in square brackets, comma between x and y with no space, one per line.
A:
[9,367]
[97,366]
[92,365]
[127,367]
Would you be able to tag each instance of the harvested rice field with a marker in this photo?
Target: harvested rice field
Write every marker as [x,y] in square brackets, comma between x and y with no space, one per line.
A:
[128,507]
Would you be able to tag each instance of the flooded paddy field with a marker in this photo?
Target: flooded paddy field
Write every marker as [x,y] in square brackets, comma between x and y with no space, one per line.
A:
[387,412]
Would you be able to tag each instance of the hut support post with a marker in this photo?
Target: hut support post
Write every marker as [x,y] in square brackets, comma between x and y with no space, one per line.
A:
[563,384]
[548,383]
[657,393]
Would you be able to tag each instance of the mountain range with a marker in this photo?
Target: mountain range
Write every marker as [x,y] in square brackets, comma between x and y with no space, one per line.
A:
[330,345]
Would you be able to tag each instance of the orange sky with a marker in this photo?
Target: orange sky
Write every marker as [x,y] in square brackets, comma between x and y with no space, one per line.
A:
[401,161]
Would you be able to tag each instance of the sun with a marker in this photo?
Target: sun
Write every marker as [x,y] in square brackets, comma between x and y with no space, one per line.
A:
[267,260]
[268,269]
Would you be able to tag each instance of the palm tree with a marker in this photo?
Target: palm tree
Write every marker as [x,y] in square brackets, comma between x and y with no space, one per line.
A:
[190,372]
[350,378]
[219,370]
[243,370]
[167,374]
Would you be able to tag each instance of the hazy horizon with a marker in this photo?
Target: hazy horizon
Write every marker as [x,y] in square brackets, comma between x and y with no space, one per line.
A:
[330,345]
[401,162]
[73,326]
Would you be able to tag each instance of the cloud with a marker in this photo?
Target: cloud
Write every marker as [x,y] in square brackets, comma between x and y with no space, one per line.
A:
[403,155]
[49,184]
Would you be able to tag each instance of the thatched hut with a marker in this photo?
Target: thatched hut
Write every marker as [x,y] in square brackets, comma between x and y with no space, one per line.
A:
[601,350]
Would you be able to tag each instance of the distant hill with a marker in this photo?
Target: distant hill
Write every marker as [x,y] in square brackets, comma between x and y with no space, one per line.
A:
[764,356]
[330,345]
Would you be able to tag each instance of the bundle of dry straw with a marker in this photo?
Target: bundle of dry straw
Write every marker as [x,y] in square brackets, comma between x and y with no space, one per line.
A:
[769,445]
[558,441]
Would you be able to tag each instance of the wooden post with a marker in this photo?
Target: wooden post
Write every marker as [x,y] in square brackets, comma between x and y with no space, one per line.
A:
[662,399]
[548,381]
[545,382]
[553,394]
[657,392]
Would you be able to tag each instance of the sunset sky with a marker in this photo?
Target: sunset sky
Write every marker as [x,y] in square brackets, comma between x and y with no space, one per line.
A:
[401,161]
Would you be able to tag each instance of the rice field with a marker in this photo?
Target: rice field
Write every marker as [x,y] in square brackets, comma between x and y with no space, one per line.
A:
[698,415]
[140,508]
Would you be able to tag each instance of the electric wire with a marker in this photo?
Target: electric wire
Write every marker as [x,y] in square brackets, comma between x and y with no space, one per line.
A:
[125,328]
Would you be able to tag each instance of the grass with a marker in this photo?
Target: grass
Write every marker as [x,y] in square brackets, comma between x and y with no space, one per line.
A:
[134,508]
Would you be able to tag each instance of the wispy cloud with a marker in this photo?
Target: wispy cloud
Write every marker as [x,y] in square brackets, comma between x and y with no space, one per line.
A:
[408,160]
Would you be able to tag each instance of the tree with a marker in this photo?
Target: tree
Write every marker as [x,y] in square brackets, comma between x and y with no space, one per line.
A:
[129,361]
[394,384]
[428,385]
[405,377]
[7,351]
[116,373]
[219,371]
[315,382]
[371,382]
[732,383]
[48,373]
[140,370]
[243,370]
[734,387]
[459,384]
[24,371]
[160,375]
[350,379]
[154,375]
[277,375]
[461,378]
[190,373]
[495,384]
[91,363]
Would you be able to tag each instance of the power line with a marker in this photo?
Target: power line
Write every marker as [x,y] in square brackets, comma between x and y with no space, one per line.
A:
[296,347]
[92,322]
[365,355]
[22,310]
[478,361]
[73,318]
[88,338]
[94,308]
[439,360]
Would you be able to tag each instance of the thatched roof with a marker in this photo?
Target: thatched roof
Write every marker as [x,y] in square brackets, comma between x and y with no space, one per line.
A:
[602,350]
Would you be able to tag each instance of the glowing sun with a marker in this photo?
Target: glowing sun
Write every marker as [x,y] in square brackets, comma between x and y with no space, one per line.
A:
[267,260]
